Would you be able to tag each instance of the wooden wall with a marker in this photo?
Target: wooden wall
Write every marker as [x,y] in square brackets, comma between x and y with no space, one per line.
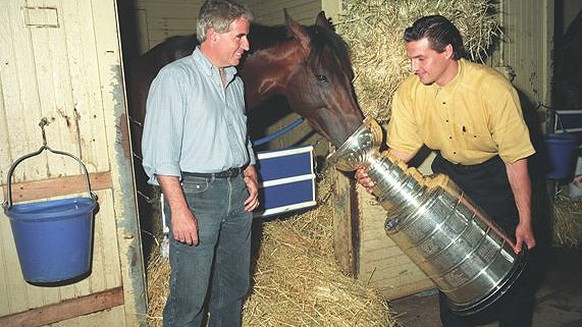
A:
[529,35]
[145,23]
[271,12]
[61,60]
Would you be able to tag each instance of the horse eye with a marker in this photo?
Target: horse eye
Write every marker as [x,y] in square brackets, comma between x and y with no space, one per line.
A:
[322,78]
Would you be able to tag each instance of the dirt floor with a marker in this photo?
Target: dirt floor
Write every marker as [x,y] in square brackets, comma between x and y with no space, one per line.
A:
[558,295]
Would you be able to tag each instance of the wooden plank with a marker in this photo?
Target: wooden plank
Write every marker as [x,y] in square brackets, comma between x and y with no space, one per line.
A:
[106,267]
[159,9]
[381,263]
[51,65]
[86,107]
[19,86]
[170,24]
[123,206]
[331,8]
[65,310]
[158,36]
[304,13]
[113,317]
[343,224]
[52,187]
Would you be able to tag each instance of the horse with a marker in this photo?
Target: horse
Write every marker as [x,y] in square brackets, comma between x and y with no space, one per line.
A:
[309,66]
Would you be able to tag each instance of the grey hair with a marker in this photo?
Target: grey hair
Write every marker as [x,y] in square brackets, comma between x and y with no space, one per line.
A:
[219,14]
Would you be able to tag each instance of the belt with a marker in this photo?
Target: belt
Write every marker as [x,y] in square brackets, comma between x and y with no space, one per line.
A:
[485,163]
[463,169]
[232,172]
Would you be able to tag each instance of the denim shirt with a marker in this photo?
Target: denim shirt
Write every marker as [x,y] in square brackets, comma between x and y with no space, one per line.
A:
[193,123]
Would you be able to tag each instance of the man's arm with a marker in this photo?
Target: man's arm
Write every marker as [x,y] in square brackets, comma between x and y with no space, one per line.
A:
[184,224]
[518,175]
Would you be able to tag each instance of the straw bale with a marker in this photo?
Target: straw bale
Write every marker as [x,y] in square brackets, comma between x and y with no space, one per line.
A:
[296,281]
[374,29]
[567,224]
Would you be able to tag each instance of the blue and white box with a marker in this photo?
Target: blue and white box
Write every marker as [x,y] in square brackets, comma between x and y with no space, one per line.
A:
[286,180]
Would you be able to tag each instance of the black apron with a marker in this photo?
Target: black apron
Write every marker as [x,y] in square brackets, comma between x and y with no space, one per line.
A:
[487,185]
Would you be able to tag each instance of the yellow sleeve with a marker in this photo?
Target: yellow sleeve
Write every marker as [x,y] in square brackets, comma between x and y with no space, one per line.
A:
[403,133]
[510,131]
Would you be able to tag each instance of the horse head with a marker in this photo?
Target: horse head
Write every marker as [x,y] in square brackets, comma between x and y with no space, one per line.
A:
[312,69]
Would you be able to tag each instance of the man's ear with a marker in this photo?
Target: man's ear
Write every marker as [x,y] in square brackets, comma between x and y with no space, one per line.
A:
[449,51]
[211,35]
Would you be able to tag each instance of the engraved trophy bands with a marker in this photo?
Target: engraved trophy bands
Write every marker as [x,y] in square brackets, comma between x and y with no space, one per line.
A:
[442,231]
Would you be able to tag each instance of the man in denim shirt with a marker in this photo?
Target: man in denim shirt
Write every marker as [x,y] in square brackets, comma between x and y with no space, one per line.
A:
[196,148]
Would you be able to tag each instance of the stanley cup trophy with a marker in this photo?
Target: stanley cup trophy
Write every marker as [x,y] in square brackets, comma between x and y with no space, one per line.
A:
[451,240]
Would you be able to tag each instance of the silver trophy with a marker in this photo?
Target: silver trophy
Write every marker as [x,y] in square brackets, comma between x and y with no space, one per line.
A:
[442,231]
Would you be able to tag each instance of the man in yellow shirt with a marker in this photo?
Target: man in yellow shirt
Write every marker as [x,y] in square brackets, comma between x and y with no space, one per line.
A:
[471,116]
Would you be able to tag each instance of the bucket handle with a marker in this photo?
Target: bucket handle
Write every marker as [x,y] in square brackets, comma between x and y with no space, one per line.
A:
[559,123]
[9,202]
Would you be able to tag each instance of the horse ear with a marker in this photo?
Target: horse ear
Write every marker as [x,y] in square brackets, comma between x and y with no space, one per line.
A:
[297,31]
[322,21]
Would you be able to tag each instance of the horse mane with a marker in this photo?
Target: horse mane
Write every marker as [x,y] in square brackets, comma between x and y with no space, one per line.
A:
[327,37]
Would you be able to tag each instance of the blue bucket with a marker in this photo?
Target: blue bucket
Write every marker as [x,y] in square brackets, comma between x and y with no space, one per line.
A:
[53,238]
[562,155]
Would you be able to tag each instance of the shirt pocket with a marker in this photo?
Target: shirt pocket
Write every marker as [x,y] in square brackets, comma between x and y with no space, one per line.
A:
[473,138]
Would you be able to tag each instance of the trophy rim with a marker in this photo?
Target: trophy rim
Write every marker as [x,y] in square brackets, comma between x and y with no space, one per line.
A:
[368,124]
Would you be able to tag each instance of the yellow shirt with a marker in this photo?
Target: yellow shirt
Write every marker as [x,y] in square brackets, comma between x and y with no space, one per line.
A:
[470,120]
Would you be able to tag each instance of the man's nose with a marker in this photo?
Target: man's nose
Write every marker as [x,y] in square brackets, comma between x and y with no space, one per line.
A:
[413,66]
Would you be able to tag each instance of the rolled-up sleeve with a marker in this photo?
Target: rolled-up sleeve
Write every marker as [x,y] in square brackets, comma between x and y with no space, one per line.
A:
[163,126]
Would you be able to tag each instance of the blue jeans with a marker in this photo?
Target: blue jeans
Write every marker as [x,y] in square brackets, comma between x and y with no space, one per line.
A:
[214,275]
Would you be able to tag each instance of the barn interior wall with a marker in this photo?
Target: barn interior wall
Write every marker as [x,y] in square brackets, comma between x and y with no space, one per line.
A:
[527,45]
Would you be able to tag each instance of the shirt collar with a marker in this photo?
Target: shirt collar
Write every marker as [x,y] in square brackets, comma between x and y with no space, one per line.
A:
[452,85]
[207,66]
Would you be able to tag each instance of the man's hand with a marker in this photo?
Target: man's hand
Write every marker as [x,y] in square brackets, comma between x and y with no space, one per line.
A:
[252,180]
[364,179]
[524,234]
[184,224]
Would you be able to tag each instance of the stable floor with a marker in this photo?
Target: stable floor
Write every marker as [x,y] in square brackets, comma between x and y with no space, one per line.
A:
[558,295]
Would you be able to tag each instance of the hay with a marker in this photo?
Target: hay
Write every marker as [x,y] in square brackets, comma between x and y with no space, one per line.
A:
[296,281]
[567,224]
[374,28]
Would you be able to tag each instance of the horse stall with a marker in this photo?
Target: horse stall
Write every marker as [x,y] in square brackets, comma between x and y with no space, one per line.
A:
[63,99]
[360,245]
